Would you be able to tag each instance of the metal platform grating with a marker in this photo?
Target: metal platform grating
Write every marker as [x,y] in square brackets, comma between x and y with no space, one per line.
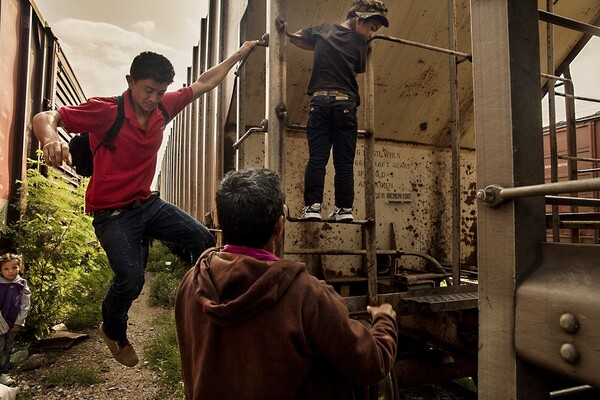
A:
[444,298]
[445,301]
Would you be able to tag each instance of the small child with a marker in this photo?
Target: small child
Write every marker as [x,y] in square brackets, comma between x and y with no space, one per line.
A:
[14,306]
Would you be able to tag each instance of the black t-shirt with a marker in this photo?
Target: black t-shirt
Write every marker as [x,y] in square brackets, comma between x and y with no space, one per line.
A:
[340,54]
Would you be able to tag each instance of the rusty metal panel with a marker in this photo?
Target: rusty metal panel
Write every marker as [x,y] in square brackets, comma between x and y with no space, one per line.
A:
[37,77]
[412,192]
[557,318]
[9,65]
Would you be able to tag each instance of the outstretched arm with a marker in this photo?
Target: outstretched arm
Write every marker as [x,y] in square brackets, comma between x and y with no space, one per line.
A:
[45,127]
[212,77]
[296,40]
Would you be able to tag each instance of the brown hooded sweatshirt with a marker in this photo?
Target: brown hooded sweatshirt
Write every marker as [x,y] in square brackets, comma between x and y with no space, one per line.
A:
[252,329]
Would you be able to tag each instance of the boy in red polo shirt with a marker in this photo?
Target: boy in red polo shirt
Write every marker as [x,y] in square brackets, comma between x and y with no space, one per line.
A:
[118,195]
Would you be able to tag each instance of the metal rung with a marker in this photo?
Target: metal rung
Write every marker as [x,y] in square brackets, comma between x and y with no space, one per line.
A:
[367,221]
[346,280]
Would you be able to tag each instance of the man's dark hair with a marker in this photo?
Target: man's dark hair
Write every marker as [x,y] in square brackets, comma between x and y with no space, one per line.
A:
[249,203]
[149,65]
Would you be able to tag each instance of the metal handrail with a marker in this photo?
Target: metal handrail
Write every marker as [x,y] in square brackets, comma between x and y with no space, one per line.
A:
[496,194]
[572,201]
[556,78]
[569,23]
[579,158]
[264,125]
[465,56]
[282,114]
[591,99]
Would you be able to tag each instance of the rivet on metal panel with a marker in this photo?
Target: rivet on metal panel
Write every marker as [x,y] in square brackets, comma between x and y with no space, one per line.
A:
[569,353]
[568,322]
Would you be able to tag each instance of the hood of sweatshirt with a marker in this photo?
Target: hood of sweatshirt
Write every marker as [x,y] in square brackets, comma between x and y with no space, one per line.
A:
[18,280]
[232,287]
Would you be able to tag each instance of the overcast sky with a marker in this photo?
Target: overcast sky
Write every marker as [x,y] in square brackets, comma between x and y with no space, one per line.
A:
[585,71]
[100,38]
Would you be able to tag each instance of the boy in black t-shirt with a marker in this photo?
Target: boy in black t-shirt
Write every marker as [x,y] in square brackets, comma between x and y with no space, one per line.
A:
[340,52]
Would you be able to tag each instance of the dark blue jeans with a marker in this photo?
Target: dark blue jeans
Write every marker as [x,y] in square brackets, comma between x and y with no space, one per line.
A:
[331,124]
[122,232]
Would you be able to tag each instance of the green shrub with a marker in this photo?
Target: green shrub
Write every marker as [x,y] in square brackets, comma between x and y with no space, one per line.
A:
[85,310]
[163,352]
[66,267]
[161,258]
[170,269]
[163,289]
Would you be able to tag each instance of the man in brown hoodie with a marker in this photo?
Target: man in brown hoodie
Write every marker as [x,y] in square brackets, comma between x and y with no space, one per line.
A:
[254,326]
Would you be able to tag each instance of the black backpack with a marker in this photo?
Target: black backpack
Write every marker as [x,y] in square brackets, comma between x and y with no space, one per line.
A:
[79,146]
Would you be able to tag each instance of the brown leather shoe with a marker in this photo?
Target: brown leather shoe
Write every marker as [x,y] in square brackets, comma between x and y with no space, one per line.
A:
[121,350]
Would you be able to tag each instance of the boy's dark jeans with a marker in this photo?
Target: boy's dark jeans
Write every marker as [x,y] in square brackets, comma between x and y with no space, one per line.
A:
[331,124]
[121,233]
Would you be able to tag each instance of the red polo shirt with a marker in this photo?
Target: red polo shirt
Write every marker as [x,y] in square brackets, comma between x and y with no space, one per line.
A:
[125,174]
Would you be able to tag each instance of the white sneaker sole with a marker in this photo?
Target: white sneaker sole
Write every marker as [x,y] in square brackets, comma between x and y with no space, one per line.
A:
[311,217]
[344,218]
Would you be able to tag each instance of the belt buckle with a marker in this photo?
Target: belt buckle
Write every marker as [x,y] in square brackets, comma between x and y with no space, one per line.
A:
[336,94]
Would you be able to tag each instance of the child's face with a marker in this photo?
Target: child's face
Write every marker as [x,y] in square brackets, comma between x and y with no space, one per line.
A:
[10,270]
[367,27]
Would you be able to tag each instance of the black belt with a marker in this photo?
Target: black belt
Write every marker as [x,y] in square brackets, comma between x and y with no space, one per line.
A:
[138,202]
[134,204]
[332,93]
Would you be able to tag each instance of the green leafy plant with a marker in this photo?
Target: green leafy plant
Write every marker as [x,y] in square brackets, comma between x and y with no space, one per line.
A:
[163,352]
[169,271]
[66,268]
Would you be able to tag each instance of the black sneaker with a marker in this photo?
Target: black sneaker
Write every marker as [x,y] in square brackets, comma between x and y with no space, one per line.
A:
[341,214]
[311,213]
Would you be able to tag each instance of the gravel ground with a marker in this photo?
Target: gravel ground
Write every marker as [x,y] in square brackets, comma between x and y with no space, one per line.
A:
[120,382]
[140,382]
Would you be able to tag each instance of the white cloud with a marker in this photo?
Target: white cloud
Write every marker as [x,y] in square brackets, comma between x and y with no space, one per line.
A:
[146,27]
[101,54]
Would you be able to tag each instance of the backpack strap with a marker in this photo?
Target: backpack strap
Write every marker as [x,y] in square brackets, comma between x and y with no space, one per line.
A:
[116,126]
[164,113]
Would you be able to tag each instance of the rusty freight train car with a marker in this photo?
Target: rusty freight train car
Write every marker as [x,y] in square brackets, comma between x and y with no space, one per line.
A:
[36,77]
[449,178]
[574,223]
